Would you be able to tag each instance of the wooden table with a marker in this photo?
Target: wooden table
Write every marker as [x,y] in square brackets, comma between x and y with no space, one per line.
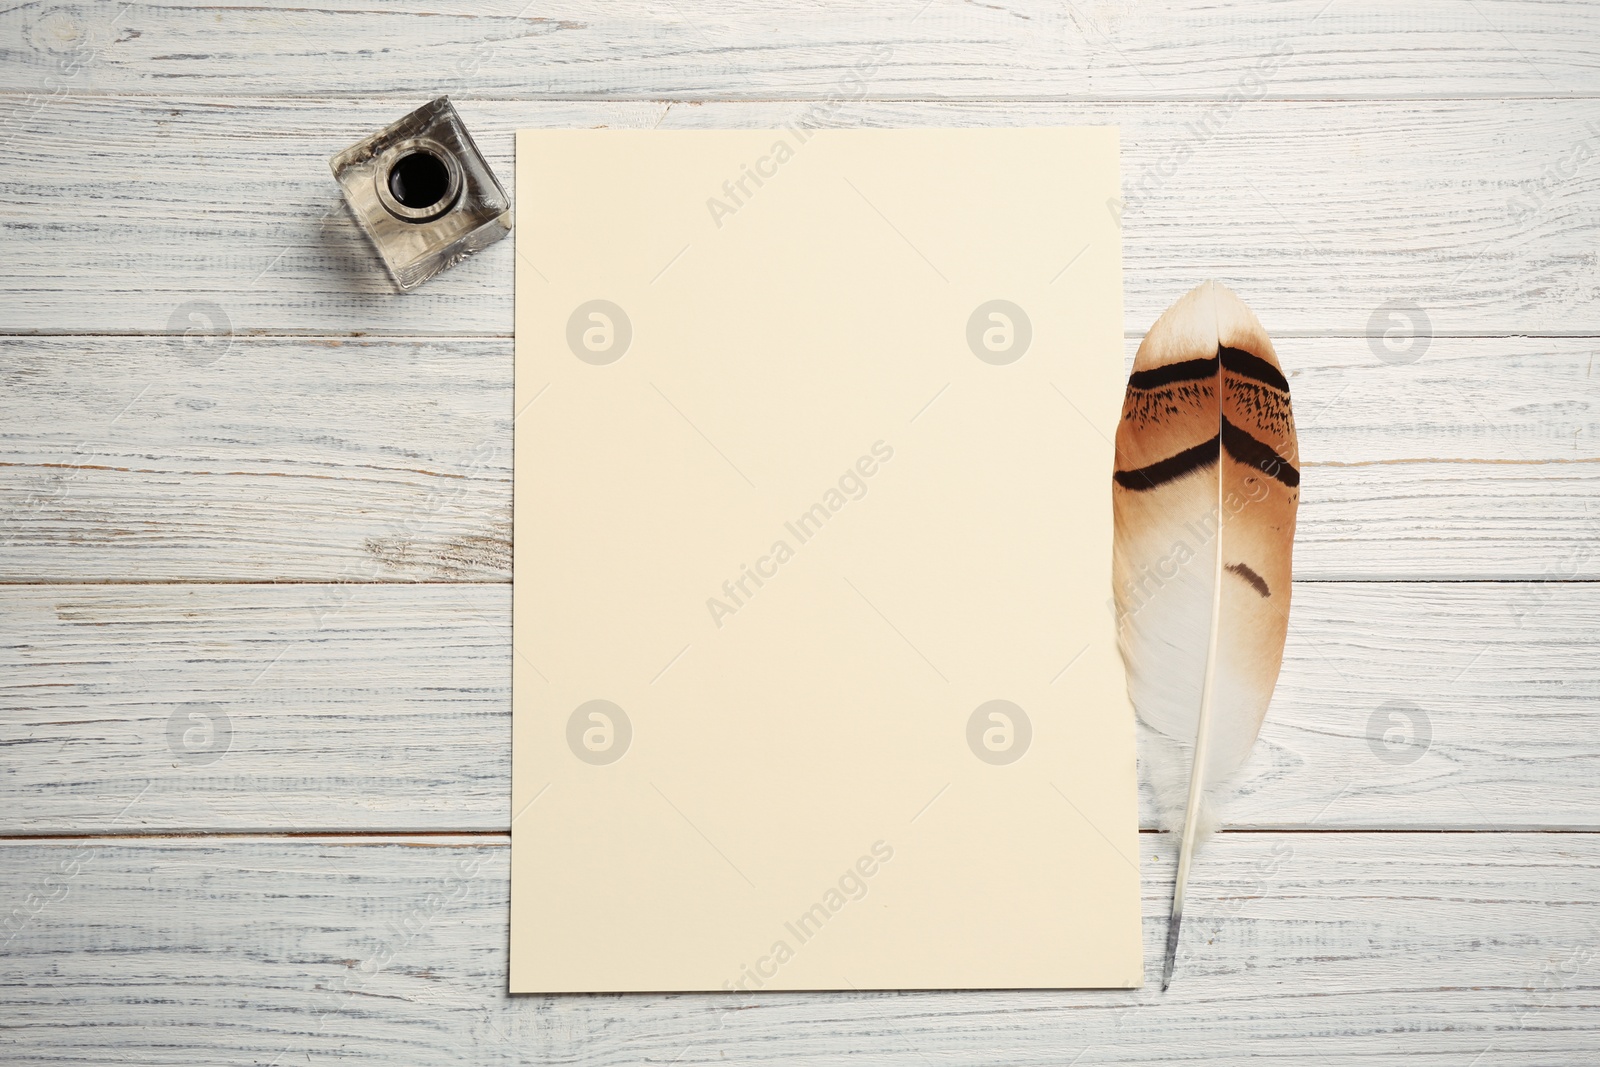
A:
[255,510]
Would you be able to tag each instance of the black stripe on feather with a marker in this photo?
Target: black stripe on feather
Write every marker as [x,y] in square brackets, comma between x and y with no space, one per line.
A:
[1162,471]
[1252,453]
[1247,365]
[1240,445]
[1188,370]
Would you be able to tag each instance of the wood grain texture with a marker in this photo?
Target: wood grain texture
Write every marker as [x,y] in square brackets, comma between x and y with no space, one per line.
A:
[248,459]
[1480,214]
[156,459]
[703,49]
[1343,949]
[1353,169]
[386,708]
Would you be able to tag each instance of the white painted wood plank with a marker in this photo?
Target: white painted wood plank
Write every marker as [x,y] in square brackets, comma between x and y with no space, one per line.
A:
[742,48]
[247,459]
[313,684]
[386,707]
[1345,949]
[119,212]
[1449,520]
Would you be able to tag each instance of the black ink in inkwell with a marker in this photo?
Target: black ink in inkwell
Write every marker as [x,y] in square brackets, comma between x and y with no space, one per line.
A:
[422,193]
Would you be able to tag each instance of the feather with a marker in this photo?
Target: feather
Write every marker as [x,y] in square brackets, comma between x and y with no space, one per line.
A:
[1204,496]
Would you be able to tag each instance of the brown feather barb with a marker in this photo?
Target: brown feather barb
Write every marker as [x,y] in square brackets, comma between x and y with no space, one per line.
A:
[1204,495]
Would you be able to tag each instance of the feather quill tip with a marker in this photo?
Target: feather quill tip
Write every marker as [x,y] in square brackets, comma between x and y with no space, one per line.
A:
[1170,960]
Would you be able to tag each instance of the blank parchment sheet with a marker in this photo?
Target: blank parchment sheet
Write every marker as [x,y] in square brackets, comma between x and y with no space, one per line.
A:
[817,686]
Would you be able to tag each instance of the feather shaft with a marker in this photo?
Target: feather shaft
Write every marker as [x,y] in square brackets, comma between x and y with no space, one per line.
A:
[1197,775]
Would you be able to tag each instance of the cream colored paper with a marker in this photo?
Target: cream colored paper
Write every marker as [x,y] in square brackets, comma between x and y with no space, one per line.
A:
[791,500]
